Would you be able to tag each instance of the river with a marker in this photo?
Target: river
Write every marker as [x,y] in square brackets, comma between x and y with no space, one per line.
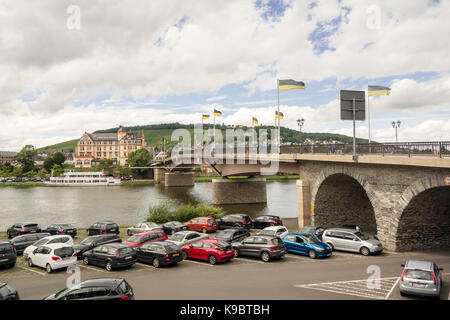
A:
[125,205]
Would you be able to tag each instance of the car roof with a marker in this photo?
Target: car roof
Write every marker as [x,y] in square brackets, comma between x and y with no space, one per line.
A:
[416,264]
[148,232]
[264,236]
[25,223]
[104,222]
[269,215]
[341,229]
[116,245]
[107,282]
[211,240]
[56,236]
[274,228]
[162,243]
[202,217]
[56,245]
[187,231]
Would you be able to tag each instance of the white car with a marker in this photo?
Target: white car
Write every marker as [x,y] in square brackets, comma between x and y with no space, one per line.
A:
[182,238]
[48,240]
[52,257]
[278,231]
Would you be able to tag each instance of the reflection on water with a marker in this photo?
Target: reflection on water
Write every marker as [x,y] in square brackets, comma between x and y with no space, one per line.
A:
[125,204]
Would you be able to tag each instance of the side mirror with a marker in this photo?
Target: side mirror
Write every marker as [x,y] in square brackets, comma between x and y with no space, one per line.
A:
[440,269]
[402,265]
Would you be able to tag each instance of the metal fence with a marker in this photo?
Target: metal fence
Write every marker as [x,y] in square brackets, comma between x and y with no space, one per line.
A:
[437,149]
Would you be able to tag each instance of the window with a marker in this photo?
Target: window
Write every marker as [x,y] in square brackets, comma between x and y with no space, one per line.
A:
[79,294]
[207,245]
[291,238]
[260,241]
[197,245]
[249,240]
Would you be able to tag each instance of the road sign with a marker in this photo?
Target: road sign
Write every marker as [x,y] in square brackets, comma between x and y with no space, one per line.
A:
[447,180]
[347,98]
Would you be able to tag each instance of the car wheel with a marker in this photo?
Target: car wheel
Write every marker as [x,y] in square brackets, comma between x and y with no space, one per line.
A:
[155,263]
[185,255]
[108,266]
[129,232]
[30,263]
[48,268]
[265,256]
[86,260]
[364,251]
[331,246]
[204,230]
[237,226]
[312,254]
[402,294]
[212,259]
[236,253]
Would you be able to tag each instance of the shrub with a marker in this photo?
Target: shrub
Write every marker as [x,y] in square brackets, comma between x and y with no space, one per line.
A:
[164,212]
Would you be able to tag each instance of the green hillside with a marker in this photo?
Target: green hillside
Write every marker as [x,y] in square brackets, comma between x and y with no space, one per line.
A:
[155,133]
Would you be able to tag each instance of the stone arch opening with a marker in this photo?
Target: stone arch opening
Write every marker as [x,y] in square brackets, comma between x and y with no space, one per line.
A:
[340,200]
[425,221]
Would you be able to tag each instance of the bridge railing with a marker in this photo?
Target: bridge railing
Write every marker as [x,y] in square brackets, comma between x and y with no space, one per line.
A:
[438,149]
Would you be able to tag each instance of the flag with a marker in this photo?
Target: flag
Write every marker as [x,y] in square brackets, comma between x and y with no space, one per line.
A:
[279,115]
[285,85]
[217,113]
[254,120]
[205,116]
[379,91]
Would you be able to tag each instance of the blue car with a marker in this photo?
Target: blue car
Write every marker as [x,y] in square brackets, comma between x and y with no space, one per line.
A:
[307,245]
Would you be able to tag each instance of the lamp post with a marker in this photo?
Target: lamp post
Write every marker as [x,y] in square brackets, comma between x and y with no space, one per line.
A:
[300,123]
[396,125]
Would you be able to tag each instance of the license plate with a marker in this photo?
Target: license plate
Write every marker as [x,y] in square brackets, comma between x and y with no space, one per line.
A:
[175,254]
[129,257]
[113,230]
[418,285]
[3,260]
[32,231]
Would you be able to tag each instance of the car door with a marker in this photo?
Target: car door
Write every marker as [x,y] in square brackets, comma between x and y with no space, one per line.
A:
[246,246]
[352,242]
[147,253]
[195,251]
[97,256]
[301,245]
[336,239]
[40,257]
[206,250]
[290,243]
[258,245]
[257,223]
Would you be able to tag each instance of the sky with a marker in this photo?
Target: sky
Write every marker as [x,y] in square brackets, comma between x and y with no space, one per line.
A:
[67,67]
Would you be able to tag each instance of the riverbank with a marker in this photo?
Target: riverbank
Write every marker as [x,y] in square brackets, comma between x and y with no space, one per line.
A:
[271,177]
[22,184]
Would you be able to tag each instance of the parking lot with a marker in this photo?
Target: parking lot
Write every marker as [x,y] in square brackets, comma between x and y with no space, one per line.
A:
[342,276]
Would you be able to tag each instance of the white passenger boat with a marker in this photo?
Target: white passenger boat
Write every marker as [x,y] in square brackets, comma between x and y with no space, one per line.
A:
[82,179]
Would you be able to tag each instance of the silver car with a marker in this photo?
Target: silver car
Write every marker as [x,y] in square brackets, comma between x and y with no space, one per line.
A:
[143,227]
[182,238]
[422,278]
[351,240]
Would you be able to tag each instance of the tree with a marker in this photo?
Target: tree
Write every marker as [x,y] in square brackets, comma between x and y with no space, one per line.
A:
[17,172]
[42,173]
[105,164]
[26,158]
[140,158]
[48,163]
[59,158]
[57,170]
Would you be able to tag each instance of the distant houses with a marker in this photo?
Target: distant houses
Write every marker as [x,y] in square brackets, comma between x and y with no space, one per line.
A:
[7,157]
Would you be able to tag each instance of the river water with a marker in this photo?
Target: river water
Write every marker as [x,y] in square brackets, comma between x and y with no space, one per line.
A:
[125,205]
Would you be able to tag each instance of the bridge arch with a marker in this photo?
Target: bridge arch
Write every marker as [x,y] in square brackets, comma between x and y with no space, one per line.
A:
[341,196]
[423,215]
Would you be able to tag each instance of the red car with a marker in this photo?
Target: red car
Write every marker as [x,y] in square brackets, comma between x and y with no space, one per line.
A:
[145,237]
[211,250]
[203,224]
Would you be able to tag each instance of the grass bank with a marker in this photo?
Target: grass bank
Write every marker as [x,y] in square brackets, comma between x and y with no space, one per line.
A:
[165,212]
[272,177]
[22,184]
[138,182]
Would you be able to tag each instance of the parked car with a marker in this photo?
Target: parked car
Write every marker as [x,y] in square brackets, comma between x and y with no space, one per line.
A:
[315,230]
[61,228]
[52,257]
[211,250]
[8,254]
[67,240]
[306,244]
[421,278]
[7,292]
[264,247]
[96,289]
[265,221]
[182,238]
[233,235]
[110,256]
[237,220]
[173,226]
[351,240]
[203,224]
[22,228]
[159,253]
[143,227]
[103,227]
[351,226]
[93,241]
[22,242]
[278,231]
[145,237]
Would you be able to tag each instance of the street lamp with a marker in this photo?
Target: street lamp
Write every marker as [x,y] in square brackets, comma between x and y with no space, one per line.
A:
[396,125]
[300,123]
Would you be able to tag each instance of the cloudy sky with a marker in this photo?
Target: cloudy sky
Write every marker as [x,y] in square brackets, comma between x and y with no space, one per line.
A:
[71,66]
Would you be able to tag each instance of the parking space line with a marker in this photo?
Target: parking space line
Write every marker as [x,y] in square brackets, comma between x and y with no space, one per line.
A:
[392,289]
[249,260]
[29,269]
[92,268]
[200,263]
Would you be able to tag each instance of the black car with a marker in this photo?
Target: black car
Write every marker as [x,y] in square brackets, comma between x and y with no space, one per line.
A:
[7,292]
[159,253]
[22,228]
[317,231]
[264,247]
[8,254]
[111,256]
[61,228]
[265,221]
[96,289]
[233,235]
[237,220]
[173,226]
[103,227]
[94,241]
[21,242]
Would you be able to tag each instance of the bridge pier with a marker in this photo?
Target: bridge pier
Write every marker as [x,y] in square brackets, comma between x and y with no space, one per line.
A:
[304,203]
[235,191]
[179,179]
[159,175]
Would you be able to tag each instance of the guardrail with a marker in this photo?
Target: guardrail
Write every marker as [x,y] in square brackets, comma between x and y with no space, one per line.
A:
[437,149]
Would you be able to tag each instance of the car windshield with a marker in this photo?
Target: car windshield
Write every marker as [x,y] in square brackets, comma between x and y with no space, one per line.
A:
[418,274]
[66,226]
[6,247]
[134,238]
[361,235]
[177,237]
[311,238]
[123,251]
[308,229]
[151,224]
[267,232]
[64,252]
[170,249]
[87,241]
[30,225]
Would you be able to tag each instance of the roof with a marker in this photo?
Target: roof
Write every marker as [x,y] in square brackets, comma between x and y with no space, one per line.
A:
[8,154]
[57,245]
[107,282]
[116,245]
[103,136]
[342,229]
[275,228]
[148,232]
[415,264]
